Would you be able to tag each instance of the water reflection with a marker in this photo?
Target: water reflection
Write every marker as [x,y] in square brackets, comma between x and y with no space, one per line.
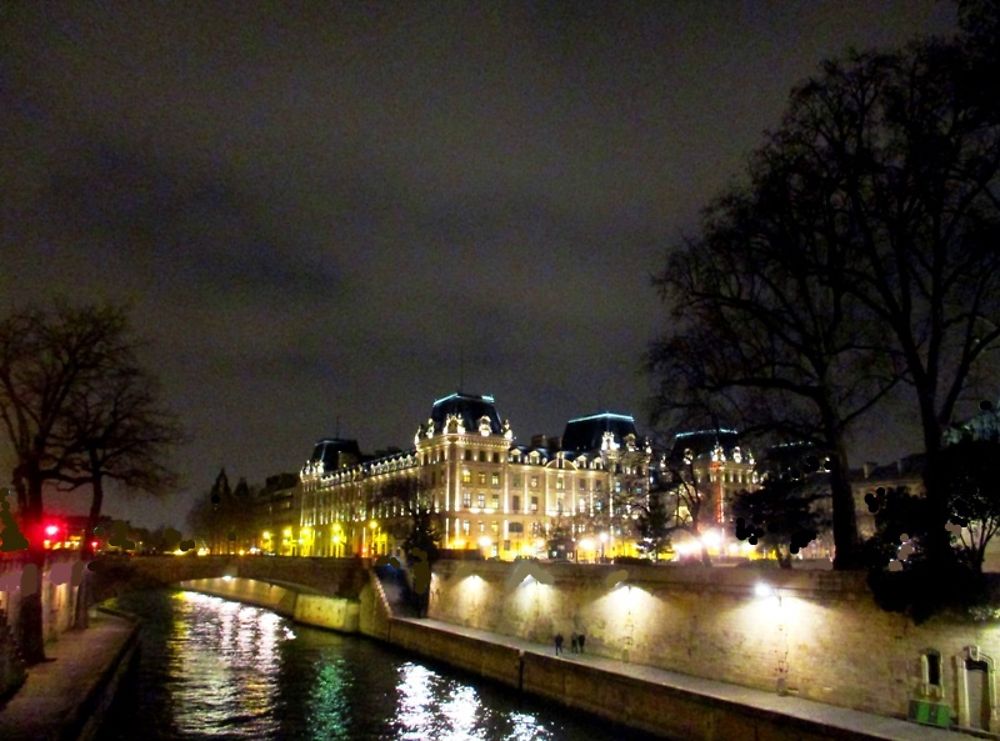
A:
[331,708]
[210,668]
[431,705]
[224,667]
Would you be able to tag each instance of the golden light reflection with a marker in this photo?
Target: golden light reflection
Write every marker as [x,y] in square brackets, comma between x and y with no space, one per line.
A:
[225,655]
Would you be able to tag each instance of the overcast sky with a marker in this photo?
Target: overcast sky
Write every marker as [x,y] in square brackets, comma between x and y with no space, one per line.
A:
[316,211]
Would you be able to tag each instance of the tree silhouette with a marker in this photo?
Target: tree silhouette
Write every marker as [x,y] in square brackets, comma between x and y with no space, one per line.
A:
[46,358]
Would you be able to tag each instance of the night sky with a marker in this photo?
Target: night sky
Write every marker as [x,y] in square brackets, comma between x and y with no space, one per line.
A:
[316,212]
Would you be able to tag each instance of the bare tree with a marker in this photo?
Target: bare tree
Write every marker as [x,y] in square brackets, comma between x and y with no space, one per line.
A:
[865,241]
[45,357]
[116,428]
[74,407]
[764,334]
[411,518]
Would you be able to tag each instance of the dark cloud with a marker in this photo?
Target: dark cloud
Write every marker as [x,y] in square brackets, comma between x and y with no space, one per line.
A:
[343,210]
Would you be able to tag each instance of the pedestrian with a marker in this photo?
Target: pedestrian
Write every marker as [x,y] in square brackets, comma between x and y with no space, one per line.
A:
[579,641]
[559,643]
[574,642]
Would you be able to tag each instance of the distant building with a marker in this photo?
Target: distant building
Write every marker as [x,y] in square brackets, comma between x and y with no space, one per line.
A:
[490,494]
[714,462]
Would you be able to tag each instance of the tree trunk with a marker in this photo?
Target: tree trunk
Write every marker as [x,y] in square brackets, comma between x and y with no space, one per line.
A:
[81,617]
[847,549]
[96,502]
[939,550]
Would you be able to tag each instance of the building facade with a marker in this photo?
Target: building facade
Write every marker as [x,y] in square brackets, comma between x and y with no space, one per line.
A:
[488,493]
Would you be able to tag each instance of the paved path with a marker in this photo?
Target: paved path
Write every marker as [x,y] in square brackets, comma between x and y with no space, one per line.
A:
[864,725]
[64,695]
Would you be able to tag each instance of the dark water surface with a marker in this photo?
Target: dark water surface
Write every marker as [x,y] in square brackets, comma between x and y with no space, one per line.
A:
[211,668]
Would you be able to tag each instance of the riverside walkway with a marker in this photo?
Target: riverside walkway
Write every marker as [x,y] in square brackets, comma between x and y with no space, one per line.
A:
[840,722]
[66,696]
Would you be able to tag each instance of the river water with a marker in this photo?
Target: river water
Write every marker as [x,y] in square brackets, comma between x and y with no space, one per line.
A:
[211,668]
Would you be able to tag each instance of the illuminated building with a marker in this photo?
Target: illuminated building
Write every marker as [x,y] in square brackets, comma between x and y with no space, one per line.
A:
[712,462]
[488,492]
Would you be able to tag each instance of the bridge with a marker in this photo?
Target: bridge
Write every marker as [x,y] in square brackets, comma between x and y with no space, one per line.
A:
[330,577]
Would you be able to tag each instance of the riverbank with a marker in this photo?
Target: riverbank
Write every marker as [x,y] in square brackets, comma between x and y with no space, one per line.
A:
[651,699]
[654,700]
[68,695]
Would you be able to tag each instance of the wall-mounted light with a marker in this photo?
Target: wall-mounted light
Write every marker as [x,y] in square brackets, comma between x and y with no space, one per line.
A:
[763,590]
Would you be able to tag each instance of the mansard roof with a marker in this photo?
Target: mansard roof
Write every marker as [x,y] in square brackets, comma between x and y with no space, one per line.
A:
[587,433]
[335,452]
[470,407]
[703,442]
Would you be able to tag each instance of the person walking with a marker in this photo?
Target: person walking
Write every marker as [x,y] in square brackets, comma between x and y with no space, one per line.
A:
[559,643]
[579,641]
[574,642]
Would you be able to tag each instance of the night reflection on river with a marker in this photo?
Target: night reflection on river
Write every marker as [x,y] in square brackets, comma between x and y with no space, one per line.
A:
[211,668]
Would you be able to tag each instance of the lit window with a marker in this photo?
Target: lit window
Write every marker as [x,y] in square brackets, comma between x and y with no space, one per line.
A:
[496,501]
[481,500]
[495,479]
[534,504]
[466,476]
[466,500]
[559,483]
[534,482]
[482,478]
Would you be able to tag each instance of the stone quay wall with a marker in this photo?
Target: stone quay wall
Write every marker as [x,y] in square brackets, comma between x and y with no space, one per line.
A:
[318,610]
[817,635]
[61,578]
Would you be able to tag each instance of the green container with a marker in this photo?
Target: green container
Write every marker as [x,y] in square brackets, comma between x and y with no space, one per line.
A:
[931,713]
